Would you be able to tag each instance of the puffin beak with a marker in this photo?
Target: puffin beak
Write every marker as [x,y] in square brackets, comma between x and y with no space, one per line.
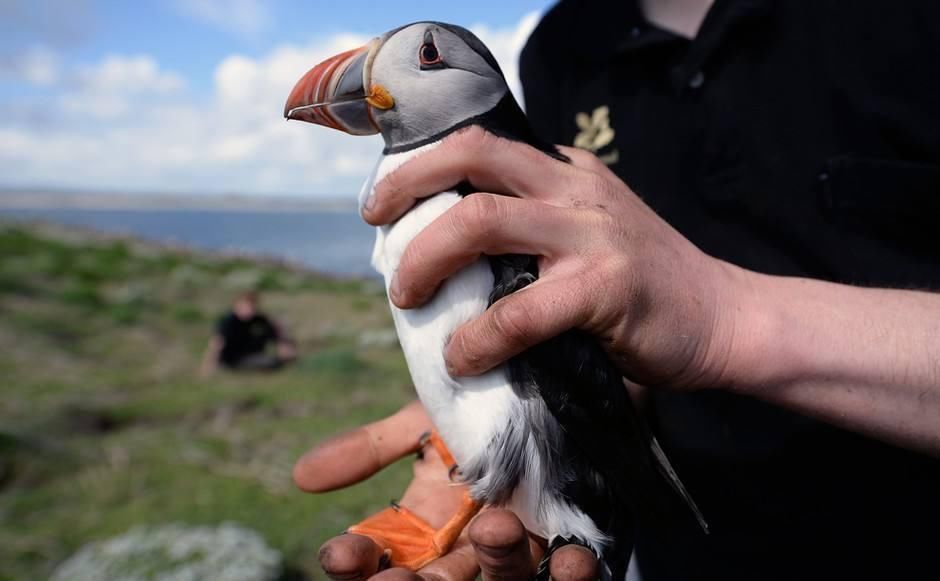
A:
[334,93]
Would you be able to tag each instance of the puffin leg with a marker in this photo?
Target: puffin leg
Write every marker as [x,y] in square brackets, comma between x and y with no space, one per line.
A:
[406,539]
[446,536]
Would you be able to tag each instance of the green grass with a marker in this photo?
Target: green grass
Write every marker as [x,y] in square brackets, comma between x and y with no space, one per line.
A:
[104,425]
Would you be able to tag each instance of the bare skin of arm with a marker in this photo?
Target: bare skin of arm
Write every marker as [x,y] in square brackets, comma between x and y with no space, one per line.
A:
[669,315]
[210,359]
[864,359]
[285,345]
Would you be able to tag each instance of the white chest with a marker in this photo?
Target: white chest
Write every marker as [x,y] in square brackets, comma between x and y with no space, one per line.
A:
[467,411]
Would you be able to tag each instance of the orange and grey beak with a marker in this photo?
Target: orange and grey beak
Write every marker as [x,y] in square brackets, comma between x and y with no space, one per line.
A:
[334,94]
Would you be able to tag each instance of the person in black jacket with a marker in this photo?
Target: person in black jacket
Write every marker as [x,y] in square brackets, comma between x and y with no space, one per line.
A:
[751,232]
[243,340]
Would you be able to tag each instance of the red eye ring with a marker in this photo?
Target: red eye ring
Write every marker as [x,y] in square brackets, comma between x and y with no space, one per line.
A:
[429,55]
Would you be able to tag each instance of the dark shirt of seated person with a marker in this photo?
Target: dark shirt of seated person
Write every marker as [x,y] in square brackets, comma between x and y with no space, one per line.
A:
[242,340]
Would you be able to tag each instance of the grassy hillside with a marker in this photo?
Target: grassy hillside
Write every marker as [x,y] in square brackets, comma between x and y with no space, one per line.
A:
[104,424]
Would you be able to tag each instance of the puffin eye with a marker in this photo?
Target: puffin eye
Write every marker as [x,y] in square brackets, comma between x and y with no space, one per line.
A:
[428,55]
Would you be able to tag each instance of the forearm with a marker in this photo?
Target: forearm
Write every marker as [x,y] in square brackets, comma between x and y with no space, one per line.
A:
[210,358]
[864,359]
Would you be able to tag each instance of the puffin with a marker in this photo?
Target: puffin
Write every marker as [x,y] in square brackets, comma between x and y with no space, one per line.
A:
[552,434]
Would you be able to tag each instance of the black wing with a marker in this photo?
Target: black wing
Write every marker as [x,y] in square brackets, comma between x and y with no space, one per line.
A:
[622,471]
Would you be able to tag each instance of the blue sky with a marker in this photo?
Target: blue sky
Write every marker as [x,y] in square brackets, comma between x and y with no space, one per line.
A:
[184,95]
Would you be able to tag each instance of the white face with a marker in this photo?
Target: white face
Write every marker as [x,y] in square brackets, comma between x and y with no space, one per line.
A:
[436,79]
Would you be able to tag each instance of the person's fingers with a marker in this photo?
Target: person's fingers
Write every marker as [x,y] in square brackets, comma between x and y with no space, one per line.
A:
[488,162]
[503,547]
[516,322]
[355,455]
[460,564]
[396,574]
[573,563]
[350,557]
[497,545]
[481,223]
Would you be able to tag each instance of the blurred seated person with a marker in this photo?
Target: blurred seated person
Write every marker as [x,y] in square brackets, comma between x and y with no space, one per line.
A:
[242,340]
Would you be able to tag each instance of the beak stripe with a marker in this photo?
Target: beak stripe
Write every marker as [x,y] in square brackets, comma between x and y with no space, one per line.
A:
[325,112]
[319,92]
[333,94]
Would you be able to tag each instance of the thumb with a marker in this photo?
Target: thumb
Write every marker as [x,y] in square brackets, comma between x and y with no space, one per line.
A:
[358,454]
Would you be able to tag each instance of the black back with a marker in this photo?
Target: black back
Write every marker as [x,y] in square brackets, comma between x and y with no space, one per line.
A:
[610,471]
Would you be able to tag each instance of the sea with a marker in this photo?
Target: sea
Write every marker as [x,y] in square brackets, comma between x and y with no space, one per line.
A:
[333,242]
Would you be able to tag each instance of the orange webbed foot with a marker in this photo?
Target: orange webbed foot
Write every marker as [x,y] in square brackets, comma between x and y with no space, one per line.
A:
[407,539]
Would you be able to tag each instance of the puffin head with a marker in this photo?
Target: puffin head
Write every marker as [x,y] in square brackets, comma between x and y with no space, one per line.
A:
[411,84]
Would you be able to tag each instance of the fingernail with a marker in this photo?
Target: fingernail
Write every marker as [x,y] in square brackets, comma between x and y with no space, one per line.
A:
[394,289]
[454,369]
[370,202]
[451,370]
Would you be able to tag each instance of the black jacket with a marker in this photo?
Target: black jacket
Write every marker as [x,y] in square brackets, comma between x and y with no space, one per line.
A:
[793,137]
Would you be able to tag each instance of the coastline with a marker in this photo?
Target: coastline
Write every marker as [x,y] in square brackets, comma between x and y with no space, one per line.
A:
[77,234]
[40,199]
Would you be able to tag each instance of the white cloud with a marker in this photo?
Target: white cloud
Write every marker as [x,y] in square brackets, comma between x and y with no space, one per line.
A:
[242,17]
[506,44]
[128,74]
[117,85]
[128,124]
[37,66]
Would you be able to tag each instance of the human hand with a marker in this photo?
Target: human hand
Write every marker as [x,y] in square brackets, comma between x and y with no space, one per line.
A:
[210,358]
[206,369]
[286,350]
[495,543]
[665,311]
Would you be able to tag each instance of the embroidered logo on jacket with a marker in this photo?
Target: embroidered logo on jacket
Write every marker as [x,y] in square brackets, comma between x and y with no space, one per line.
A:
[596,133]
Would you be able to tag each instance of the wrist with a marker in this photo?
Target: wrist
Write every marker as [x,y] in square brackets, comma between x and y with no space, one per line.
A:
[748,338]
